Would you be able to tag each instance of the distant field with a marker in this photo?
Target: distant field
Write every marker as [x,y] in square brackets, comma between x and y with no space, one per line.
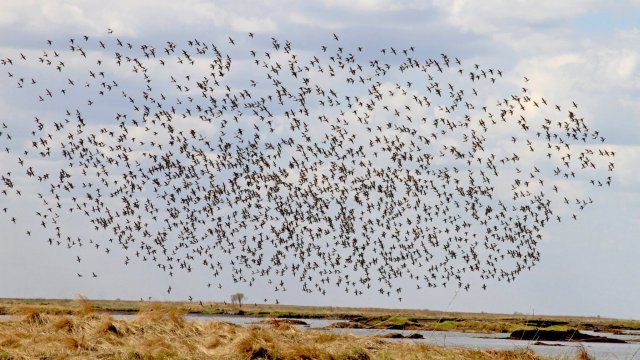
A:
[60,329]
[360,317]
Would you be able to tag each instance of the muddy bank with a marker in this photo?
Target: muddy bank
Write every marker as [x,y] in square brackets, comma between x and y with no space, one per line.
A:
[564,335]
[400,336]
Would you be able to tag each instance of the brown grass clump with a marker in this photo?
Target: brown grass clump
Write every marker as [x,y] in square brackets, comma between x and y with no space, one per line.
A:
[212,342]
[9,342]
[158,313]
[31,315]
[70,343]
[255,343]
[157,347]
[583,354]
[326,337]
[107,327]
[84,306]
[63,323]
[354,354]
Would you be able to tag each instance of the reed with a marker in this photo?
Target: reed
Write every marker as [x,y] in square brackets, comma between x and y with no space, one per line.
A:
[161,332]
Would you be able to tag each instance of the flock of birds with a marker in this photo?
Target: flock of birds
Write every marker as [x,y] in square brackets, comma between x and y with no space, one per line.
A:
[347,168]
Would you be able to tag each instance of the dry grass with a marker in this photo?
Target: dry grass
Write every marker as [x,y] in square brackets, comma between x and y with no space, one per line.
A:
[367,317]
[160,332]
[583,355]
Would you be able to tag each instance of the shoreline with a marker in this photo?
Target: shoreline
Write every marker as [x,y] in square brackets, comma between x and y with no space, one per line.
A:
[357,318]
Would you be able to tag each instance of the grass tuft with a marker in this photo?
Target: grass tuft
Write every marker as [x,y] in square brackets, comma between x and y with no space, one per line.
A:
[9,342]
[583,354]
[253,343]
[84,306]
[354,354]
[71,343]
[63,324]
[31,315]
[106,327]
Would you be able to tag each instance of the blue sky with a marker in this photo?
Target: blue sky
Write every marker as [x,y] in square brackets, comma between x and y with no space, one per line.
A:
[583,51]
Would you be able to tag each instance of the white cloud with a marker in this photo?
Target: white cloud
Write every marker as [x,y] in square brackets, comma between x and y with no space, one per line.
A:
[253,24]
[129,18]
[499,15]
[375,5]
[300,18]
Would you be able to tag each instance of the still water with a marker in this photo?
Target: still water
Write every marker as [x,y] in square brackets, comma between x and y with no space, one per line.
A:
[468,340]
[501,341]
[567,350]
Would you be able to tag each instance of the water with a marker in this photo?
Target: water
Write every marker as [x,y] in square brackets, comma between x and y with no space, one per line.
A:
[458,339]
[501,341]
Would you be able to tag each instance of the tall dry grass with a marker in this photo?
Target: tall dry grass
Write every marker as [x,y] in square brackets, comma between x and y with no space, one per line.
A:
[424,319]
[161,332]
[583,354]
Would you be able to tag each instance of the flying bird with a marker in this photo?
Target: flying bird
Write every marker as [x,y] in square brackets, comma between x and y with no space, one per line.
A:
[330,169]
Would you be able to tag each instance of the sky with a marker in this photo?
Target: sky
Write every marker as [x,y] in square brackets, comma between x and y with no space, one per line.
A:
[582,51]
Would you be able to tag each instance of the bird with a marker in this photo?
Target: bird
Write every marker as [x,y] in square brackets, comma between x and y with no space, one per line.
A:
[318,169]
